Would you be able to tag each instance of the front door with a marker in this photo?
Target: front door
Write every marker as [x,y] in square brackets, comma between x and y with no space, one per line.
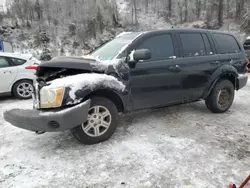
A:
[156,82]
[7,75]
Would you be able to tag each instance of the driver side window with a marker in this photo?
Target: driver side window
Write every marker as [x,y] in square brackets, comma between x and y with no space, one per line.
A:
[4,62]
[160,46]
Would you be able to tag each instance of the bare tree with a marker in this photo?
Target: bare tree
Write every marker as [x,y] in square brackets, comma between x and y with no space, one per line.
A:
[134,12]
[198,8]
[169,8]
[146,5]
[186,10]
[239,9]
[220,12]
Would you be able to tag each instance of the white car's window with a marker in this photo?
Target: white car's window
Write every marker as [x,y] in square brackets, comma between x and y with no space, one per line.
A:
[18,61]
[3,62]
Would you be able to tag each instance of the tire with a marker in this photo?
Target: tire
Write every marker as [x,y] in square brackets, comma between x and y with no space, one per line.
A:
[107,115]
[23,89]
[215,101]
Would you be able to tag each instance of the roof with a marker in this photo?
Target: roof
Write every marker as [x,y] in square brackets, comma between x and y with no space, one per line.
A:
[16,55]
[171,30]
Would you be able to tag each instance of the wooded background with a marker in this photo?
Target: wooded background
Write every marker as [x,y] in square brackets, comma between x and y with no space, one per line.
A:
[70,25]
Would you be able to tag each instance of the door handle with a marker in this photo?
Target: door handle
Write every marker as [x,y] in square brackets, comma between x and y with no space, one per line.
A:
[175,68]
[7,72]
[215,63]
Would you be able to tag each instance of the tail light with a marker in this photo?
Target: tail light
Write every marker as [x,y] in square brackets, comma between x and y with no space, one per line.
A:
[32,67]
[248,65]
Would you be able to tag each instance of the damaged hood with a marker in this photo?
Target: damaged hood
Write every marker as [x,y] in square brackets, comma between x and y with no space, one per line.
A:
[68,66]
[84,63]
[70,63]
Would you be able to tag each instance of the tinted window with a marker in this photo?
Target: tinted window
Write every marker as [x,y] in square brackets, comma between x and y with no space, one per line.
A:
[3,62]
[193,45]
[18,61]
[226,44]
[160,46]
[209,50]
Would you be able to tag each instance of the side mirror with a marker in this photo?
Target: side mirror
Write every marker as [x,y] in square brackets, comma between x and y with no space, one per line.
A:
[143,54]
[138,55]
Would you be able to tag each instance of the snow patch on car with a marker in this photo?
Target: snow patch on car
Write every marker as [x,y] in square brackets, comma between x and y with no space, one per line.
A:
[122,34]
[87,81]
[131,55]
[103,65]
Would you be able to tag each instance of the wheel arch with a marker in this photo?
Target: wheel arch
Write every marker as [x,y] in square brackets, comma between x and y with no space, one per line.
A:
[225,72]
[109,94]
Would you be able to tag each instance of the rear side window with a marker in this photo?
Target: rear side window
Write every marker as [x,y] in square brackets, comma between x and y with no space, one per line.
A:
[226,43]
[160,46]
[4,62]
[17,62]
[193,44]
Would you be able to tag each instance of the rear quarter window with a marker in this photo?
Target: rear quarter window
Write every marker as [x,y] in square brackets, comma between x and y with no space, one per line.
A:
[226,44]
[17,62]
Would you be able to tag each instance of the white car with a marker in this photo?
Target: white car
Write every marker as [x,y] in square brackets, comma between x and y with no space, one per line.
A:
[17,72]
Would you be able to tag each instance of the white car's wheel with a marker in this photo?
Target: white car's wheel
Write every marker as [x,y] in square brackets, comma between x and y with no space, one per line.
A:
[23,89]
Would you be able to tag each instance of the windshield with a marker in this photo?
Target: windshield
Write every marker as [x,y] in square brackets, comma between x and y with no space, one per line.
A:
[113,48]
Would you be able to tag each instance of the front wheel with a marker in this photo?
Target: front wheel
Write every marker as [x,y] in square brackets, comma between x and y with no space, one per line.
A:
[221,98]
[101,123]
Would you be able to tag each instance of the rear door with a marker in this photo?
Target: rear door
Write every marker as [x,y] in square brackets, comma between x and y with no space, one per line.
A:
[156,82]
[8,73]
[198,62]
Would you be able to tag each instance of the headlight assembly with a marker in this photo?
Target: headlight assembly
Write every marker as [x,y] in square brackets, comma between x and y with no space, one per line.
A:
[51,97]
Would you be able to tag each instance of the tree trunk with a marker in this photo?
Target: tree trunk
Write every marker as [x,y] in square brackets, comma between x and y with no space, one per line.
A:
[186,11]
[135,12]
[198,8]
[239,9]
[180,12]
[146,5]
[228,9]
[169,8]
[220,13]
[209,14]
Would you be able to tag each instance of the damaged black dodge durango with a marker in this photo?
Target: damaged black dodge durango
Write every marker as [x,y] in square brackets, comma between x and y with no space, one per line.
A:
[136,70]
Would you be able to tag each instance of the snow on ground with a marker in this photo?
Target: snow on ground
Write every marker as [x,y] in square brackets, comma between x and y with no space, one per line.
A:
[181,146]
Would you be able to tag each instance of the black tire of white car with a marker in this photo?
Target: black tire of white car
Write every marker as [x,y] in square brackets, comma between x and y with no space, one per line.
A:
[85,133]
[18,84]
[214,100]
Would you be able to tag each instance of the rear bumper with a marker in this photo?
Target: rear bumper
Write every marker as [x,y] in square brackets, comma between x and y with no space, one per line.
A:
[48,121]
[241,81]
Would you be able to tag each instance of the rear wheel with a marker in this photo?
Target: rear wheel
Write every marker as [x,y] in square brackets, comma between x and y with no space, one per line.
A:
[23,89]
[101,123]
[221,98]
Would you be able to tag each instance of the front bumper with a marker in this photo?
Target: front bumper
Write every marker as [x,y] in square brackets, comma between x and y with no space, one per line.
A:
[241,81]
[48,121]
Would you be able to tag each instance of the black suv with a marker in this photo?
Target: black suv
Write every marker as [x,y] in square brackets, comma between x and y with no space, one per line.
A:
[134,71]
